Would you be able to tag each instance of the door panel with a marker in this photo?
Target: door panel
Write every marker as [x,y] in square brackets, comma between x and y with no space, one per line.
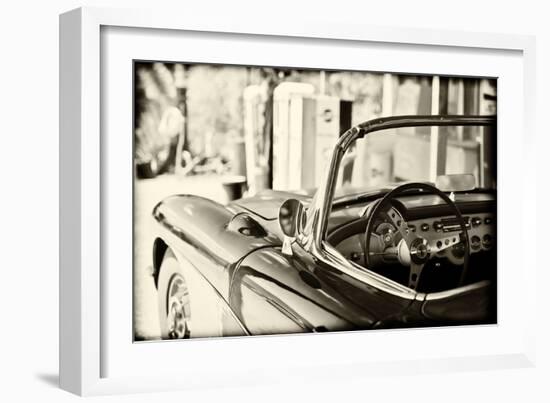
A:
[470,304]
[274,293]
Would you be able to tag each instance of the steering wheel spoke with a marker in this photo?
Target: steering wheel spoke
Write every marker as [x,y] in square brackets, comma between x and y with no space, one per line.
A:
[420,246]
[414,275]
[400,224]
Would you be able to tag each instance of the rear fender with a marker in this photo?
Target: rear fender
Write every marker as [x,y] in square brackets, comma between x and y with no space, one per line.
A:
[211,236]
[210,313]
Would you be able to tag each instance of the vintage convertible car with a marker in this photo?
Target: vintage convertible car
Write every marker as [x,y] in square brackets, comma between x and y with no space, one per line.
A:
[407,255]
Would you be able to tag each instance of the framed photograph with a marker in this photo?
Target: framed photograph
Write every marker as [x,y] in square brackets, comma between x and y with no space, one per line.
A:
[317,200]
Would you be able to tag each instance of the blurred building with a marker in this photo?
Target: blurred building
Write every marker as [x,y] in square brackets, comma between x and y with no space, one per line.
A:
[277,126]
[307,125]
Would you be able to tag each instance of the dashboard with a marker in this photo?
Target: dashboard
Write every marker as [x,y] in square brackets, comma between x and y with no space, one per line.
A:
[425,216]
[481,232]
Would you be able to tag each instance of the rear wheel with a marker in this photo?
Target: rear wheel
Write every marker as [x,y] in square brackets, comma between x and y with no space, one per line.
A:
[173,300]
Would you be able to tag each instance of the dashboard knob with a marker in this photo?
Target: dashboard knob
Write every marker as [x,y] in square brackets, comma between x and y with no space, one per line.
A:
[424,227]
[488,220]
[438,226]
[458,250]
[476,221]
[487,241]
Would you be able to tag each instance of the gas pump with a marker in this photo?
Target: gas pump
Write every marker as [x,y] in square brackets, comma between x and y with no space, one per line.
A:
[305,130]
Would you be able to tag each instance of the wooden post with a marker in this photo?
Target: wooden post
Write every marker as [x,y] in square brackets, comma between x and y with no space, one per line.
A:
[322,82]
[460,107]
[387,95]
[487,137]
[438,144]
[182,106]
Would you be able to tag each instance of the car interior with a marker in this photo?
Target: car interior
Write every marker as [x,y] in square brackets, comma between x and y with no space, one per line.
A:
[420,218]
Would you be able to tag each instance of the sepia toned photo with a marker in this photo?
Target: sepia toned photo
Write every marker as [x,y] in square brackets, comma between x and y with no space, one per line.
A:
[270,200]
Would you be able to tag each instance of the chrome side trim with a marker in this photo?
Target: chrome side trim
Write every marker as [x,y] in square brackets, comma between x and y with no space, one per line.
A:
[455,291]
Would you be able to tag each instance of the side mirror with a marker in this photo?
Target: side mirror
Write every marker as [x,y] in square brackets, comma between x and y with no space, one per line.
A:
[291,214]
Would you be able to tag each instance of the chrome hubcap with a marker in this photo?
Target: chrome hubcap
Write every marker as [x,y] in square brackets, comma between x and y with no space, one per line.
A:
[178,309]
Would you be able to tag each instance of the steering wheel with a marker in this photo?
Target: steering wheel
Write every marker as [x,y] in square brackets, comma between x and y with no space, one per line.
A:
[414,249]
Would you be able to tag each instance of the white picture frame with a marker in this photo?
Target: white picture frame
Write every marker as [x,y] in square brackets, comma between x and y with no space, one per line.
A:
[87,338]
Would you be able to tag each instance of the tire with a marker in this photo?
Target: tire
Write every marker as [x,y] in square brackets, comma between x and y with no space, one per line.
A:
[173,299]
[148,170]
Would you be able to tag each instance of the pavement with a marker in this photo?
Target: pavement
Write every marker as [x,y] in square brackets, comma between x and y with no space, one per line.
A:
[147,193]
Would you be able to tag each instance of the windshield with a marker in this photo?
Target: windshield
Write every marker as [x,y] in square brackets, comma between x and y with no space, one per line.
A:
[419,154]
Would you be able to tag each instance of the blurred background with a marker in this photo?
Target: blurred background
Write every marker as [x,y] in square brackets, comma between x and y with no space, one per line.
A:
[224,132]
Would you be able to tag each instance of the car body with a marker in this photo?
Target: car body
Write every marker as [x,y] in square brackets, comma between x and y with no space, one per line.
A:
[281,262]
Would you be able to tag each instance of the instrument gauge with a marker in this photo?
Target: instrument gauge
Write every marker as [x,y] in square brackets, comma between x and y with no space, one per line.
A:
[475,242]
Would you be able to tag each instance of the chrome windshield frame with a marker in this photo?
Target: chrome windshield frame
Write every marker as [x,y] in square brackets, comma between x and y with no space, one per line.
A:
[321,206]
